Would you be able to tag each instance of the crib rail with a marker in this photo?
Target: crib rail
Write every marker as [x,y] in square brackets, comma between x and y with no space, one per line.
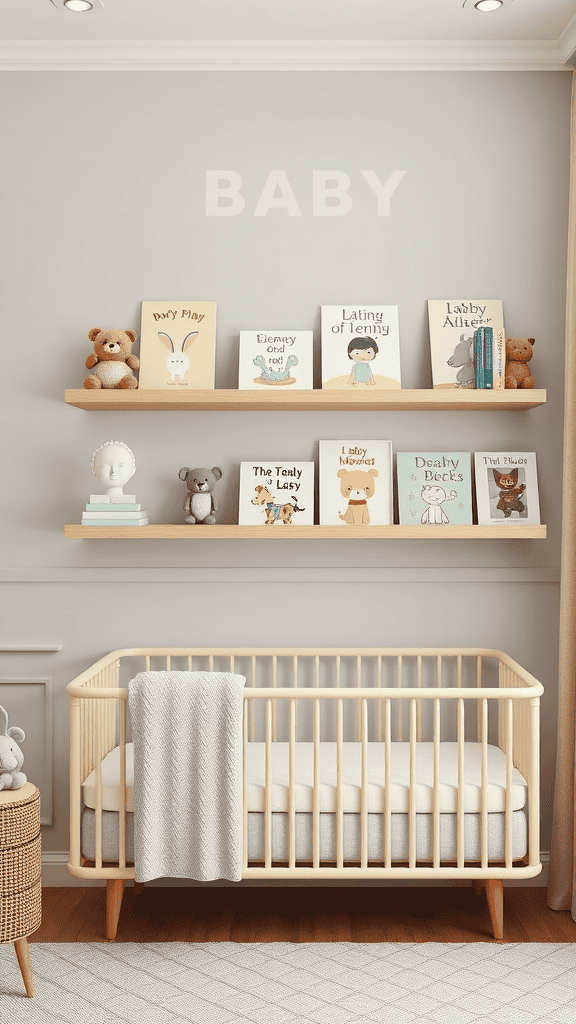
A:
[417,692]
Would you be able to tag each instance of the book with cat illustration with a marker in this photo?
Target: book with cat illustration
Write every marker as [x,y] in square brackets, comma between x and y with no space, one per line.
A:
[506,488]
[276,494]
[177,345]
[355,483]
[360,348]
[275,359]
[434,488]
[467,343]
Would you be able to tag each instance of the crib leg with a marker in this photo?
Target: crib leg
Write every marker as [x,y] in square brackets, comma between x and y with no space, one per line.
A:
[138,888]
[495,895]
[114,894]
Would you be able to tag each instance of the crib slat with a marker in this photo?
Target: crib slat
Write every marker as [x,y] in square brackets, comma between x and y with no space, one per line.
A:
[245,783]
[253,702]
[99,758]
[291,787]
[274,703]
[211,663]
[479,703]
[534,783]
[461,783]
[379,685]
[147,662]
[387,783]
[122,788]
[484,777]
[419,706]
[399,707]
[316,797]
[436,788]
[364,808]
[358,702]
[295,680]
[168,662]
[268,788]
[339,784]
[412,797]
[509,767]
[189,662]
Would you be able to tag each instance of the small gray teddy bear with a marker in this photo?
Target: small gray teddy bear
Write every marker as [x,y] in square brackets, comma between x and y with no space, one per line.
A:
[200,502]
[11,757]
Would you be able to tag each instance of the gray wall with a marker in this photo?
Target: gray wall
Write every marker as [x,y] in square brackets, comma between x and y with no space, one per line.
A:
[103,196]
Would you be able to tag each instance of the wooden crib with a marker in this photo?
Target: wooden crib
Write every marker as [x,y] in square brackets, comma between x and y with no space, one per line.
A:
[421,754]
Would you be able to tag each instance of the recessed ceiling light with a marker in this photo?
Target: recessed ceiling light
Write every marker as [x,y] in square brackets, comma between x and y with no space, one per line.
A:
[78,5]
[488,5]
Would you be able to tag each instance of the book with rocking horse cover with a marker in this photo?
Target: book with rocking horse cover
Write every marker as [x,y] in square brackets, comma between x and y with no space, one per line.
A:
[275,359]
[276,494]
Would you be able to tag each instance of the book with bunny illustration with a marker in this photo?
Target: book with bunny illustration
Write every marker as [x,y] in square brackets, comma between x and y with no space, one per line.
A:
[434,488]
[177,345]
[506,488]
[360,348]
[276,494]
[467,343]
[275,359]
[355,483]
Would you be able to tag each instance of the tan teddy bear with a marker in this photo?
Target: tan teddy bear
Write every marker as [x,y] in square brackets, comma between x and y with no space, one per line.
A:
[518,353]
[112,359]
[357,485]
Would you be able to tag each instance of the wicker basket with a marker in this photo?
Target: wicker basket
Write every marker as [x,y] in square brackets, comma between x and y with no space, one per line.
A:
[20,868]
[19,821]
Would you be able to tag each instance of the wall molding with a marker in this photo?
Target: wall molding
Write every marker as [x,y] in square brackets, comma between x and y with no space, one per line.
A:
[41,771]
[278,574]
[29,648]
[287,55]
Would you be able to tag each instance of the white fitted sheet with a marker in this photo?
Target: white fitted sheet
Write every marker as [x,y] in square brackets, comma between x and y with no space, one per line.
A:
[399,790]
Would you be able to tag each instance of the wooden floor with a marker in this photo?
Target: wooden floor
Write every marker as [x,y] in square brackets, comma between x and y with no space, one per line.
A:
[301,915]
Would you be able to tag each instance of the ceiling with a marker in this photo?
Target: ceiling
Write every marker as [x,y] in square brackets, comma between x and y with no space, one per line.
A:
[544,27]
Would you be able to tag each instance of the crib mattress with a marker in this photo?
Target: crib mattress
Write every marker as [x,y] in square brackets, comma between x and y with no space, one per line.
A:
[352,771]
[351,836]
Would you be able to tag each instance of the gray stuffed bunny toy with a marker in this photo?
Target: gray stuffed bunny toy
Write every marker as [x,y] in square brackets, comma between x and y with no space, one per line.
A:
[11,757]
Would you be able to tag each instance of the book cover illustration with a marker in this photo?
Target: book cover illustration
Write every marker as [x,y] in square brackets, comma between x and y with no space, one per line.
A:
[360,348]
[177,345]
[466,343]
[506,488]
[355,483]
[269,359]
[276,494]
[434,487]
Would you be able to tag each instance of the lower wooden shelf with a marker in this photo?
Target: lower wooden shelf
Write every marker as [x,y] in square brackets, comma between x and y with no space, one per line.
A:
[172,531]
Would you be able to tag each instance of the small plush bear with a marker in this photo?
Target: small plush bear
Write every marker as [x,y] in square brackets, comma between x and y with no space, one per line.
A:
[200,502]
[112,360]
[518,353]
[11,757]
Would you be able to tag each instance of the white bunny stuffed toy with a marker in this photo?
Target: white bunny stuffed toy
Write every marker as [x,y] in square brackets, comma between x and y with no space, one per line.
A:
[11,757]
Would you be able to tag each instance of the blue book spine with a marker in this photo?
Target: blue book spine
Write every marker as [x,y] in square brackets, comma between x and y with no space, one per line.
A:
[92,506]
[488,360]
[478,359]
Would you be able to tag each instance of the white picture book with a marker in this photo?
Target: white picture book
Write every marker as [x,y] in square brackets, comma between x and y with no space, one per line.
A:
[506,488]
[360,348]
[456,332]
[177,345]
[356,483]
[276,494]
[275,359]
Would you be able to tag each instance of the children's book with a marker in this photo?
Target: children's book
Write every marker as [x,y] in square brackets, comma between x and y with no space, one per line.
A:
[360,348]
[506,487]
[355,483]
[434,488]
[276,494]
[177,345]
[275,359]
[466,343]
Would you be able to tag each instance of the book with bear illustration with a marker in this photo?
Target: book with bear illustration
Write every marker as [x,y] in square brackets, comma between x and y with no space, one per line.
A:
[275,359]
[506,488]
[360,348]
[276,494]
[467,343]
[355,483]
[177,345]
[434,488]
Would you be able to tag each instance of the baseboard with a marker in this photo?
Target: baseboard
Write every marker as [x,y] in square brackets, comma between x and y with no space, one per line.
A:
[55,874]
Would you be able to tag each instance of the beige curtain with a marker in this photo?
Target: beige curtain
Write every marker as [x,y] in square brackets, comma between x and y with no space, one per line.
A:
[562,881]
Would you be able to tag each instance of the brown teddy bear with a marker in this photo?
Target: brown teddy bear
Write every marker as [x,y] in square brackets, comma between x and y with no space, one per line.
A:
[518,353]
[357,486]
[112,359]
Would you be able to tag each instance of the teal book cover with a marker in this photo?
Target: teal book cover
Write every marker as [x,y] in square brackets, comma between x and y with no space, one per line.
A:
[434,488]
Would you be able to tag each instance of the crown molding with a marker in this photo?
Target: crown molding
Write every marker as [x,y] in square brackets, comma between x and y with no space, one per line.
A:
[287,55]
[567,43]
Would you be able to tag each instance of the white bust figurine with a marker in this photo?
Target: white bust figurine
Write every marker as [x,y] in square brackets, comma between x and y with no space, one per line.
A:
[113,463]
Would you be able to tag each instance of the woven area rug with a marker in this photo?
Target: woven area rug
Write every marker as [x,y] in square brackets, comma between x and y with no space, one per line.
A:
[289,983]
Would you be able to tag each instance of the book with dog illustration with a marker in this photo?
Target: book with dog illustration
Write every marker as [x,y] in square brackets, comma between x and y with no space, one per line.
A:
[360,348]
[466,343]
[356,483]
[434,488]
[275,359]
[177,345]
[276,494]
[506,488]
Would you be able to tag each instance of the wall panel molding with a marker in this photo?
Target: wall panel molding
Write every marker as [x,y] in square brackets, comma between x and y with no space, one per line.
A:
[37,762]
[282,574]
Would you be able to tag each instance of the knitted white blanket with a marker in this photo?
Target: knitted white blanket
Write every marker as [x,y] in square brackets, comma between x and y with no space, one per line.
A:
[187,733]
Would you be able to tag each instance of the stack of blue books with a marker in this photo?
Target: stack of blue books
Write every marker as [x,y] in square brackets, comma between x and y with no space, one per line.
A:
[103,510]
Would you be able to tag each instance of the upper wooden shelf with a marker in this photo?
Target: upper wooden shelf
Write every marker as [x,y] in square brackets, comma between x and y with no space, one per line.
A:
[175,531]
[304,401]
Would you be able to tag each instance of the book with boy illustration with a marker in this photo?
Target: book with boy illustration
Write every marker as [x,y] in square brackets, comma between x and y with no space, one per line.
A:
[355,483]
[434,488]
[360,348]
[177,345]
[272,359]
[506,488]
[276,494]
[467,343]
